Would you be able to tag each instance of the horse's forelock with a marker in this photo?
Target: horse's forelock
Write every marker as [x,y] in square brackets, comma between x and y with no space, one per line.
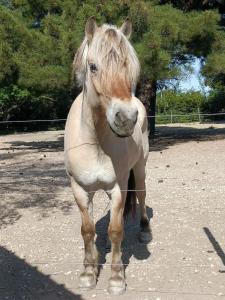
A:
[111,51]
[111,34]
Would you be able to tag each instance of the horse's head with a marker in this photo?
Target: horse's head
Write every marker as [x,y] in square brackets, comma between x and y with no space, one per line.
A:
[107,65]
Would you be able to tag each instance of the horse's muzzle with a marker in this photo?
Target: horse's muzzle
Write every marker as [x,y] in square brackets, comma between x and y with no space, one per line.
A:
[123,126]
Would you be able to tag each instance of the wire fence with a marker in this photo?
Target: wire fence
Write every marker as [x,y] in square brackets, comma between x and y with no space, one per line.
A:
[188,118]
[144,263]
[7,126]
[166,116]
[32,121]
[60,194]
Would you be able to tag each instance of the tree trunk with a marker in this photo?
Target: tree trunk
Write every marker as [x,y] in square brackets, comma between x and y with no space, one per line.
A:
[146,92]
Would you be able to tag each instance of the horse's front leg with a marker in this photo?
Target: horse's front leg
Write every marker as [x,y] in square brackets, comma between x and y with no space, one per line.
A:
[84,202]
[117,284]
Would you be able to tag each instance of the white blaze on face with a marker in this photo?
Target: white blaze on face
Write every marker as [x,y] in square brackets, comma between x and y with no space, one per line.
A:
[122,116]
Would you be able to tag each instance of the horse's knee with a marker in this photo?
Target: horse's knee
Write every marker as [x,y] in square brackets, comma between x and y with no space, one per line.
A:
[88,232]
[115,233]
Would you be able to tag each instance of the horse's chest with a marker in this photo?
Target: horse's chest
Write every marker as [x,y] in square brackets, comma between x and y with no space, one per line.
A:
[99,174]
[91,168]
[94,167]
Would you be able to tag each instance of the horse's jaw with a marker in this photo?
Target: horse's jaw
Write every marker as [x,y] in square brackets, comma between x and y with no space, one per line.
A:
[121,135]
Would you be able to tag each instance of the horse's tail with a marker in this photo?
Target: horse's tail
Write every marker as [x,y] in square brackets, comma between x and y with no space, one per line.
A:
[131,200]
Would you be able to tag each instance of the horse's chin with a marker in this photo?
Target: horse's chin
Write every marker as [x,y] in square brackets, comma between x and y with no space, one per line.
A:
[124,135]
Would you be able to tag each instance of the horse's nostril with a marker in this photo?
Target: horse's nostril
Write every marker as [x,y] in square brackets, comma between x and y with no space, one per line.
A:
[119,117]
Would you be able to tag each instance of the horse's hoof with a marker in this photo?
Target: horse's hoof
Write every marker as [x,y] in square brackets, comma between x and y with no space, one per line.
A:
[117,285]
[87,281]
[145,237]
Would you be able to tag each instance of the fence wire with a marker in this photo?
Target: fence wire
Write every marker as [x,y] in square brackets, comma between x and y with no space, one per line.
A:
[143,263]
[150,116]
[61,194]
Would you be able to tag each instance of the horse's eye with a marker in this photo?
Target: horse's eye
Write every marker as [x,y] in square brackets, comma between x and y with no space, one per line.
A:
[93,68]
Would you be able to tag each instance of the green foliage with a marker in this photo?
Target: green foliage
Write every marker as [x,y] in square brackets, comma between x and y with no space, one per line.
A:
[162,42]
[204,36]
[20,103]
[184,104]
[12,35]
[179,102]
[188,5]
[215,101]
[39,39]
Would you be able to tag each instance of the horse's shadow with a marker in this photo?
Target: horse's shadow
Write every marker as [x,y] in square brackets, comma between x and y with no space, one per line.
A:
[130,246]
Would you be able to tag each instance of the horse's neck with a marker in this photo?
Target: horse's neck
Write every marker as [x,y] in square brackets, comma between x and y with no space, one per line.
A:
[94,120]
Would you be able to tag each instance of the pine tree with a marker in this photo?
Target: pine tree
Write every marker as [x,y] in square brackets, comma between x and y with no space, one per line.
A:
[39,39]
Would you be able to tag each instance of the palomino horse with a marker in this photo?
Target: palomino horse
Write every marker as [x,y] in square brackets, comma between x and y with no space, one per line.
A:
[106,141]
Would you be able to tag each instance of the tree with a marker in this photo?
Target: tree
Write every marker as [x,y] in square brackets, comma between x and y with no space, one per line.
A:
[208,43]
[162,49]
[34,60]
[172,40]
[39,39]
[188,5]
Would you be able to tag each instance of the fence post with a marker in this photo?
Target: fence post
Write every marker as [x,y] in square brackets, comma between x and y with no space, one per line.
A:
[199,116]
[171,117]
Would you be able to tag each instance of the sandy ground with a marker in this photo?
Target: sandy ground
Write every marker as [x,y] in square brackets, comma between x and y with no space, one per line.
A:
[41,249]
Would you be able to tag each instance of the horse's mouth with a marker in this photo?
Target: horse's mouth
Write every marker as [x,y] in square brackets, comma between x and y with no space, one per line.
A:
[117,134]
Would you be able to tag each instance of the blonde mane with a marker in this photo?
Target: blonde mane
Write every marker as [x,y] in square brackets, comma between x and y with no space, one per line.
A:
[113,55]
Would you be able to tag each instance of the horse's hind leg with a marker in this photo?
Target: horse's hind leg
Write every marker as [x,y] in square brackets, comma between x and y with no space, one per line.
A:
[84,202]
[139,174]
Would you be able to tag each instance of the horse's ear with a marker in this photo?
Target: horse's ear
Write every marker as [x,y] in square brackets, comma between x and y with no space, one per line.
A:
[90,28]
[126,28]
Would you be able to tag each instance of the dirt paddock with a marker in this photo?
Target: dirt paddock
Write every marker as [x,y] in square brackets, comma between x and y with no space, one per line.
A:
[41,250]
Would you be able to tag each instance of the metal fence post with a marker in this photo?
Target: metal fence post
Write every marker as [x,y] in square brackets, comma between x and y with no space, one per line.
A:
[199,116]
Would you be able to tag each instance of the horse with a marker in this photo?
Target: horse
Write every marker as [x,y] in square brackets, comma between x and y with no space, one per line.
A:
[106,142]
